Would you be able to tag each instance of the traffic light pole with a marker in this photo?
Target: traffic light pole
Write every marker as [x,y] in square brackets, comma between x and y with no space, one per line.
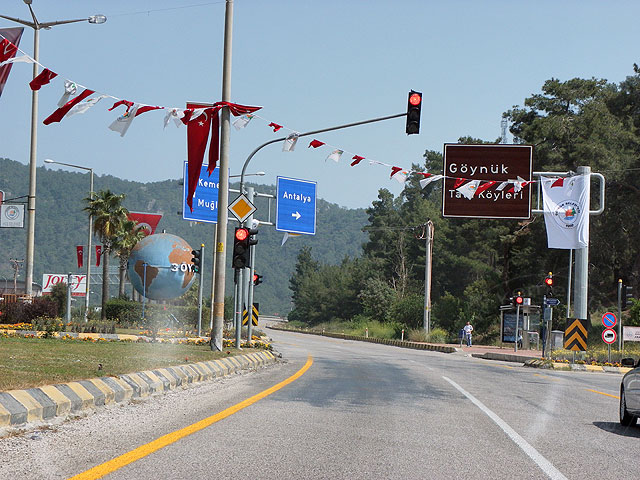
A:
[313,132]
[251,271]
[200,282]
[515,339]
[620,345]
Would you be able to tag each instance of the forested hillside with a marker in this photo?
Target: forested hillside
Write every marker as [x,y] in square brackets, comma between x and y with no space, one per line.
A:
[61,225]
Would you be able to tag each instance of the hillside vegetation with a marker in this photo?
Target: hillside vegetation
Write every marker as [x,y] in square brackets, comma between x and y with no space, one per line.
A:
[61,225]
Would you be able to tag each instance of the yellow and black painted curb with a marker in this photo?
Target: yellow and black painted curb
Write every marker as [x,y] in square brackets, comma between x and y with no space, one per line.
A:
[384,341]
[576,367]
[18,407]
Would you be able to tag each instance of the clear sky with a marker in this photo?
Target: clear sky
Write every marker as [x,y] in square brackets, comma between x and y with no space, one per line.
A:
[311,65]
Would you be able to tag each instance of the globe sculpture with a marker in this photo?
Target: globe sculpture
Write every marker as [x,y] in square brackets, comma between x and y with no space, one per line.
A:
[160,266]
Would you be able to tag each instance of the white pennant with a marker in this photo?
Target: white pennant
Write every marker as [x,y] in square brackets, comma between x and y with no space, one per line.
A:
[400,176]
[82,107]
[242,121]
[70,89]
[22,58]
[123,122]
[176,114]
[468,190]
[335,155]
[290,143]
[426,181]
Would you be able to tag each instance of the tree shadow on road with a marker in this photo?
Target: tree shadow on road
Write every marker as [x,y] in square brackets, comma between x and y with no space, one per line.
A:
[615,427]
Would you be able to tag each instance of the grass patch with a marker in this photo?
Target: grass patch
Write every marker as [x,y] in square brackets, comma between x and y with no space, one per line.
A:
[33,362]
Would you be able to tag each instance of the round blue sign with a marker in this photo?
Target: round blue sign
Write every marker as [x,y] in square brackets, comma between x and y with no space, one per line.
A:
[609,320]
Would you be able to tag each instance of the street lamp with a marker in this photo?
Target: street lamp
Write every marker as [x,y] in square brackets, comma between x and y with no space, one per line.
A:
[88,258]
[31,206]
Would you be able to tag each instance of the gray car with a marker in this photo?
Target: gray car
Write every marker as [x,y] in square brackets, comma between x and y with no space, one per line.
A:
[630,393]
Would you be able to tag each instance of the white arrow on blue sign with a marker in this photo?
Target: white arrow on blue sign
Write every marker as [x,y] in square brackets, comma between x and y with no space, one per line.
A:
[296,206]
[205,199]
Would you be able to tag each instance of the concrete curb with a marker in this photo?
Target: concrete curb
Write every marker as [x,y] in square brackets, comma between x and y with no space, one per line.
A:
[505,357]
[575,367]
[18,407]
[384,341]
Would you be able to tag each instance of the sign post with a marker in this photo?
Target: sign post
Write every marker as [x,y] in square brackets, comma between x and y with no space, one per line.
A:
[609,336]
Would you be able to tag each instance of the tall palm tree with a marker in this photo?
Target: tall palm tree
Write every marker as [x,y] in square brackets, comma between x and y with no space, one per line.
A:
[128,236]
[108,215]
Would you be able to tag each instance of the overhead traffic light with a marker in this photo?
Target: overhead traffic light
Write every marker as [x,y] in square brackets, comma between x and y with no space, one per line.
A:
[548,281]
[240,248]
[257,279]
[197,259]
[414,105]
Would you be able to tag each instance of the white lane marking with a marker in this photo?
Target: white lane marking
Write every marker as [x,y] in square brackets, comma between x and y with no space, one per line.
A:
[544,464]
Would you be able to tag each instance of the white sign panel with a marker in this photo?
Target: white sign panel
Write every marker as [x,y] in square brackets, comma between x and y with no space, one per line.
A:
[631,334]
[78,283]
[11,216]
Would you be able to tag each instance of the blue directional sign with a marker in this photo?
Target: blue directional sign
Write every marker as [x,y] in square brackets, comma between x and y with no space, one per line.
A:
[296,206]
[609,320]
[205,200]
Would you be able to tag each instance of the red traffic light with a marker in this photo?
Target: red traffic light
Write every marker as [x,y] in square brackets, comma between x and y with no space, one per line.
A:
[548,282]
[242,234]
[255,277]
[415,99]
[519,300]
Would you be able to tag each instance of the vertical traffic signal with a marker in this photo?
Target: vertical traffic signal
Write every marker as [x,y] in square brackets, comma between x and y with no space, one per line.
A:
[252,236]
[240,248]
[196,259]
[257,279]
[627,294]
[517,300]
[414,105]
[548,281]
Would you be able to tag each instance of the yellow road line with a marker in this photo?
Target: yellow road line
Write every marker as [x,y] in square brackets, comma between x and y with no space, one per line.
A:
[602,393]
[142,451]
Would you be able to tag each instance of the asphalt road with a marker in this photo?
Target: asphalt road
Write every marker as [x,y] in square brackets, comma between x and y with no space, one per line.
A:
[358,411]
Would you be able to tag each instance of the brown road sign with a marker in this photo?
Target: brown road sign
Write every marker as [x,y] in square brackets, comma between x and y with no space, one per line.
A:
[487,163]
[575,335]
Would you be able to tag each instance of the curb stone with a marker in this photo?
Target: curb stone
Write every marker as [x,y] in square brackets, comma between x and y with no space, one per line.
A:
[384,341]
[18,407]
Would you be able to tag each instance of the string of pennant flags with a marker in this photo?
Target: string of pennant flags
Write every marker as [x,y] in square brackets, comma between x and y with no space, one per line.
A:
[73,103]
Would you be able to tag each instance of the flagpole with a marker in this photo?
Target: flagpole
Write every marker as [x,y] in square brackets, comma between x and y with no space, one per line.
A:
[223,195]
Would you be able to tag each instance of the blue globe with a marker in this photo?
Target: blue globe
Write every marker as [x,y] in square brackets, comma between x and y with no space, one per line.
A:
[160,266]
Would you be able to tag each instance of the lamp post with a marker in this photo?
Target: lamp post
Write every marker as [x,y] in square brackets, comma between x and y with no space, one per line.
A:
[88,258]
[31,205]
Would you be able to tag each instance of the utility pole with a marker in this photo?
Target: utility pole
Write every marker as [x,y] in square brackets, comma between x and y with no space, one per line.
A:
[16,264]
[223,192]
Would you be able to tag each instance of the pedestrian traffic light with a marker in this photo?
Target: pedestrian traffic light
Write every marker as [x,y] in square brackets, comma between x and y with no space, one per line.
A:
[197,259]
[414,105]
[240,248]
[257,279]
[548,281]
[626,295]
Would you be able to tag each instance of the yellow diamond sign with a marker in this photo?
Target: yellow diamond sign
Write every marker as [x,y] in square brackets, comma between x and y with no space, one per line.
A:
[242,208]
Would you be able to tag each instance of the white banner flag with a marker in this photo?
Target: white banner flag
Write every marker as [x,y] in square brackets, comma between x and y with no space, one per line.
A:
[566,211]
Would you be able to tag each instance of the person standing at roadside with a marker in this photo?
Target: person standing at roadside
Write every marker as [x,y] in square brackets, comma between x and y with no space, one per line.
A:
[468,328]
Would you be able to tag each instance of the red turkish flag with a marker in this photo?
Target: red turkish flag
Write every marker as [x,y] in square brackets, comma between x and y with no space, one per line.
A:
[148,222]
[315,143]
[197,137]
[356,160]
[63,110]
[80,255]
[98,254]
[43,79]
[8,49]
[275,126]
